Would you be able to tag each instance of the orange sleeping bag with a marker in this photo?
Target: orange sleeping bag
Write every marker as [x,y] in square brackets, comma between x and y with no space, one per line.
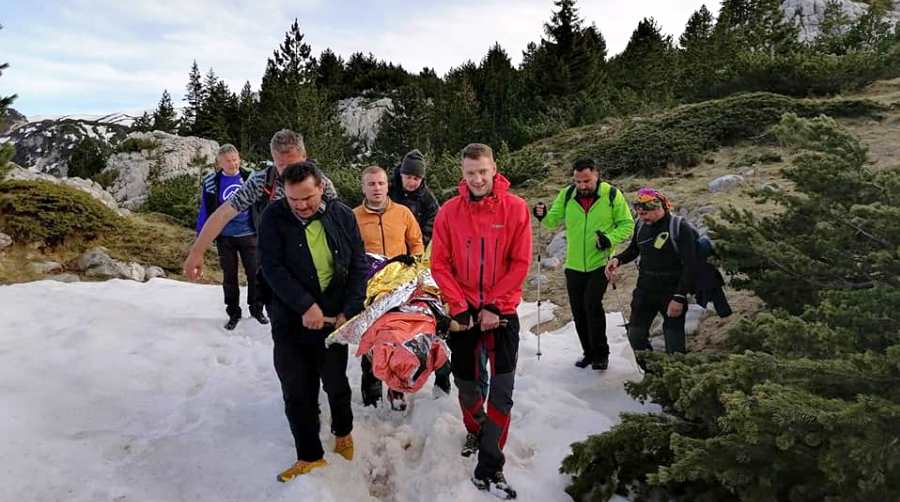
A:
[404,349]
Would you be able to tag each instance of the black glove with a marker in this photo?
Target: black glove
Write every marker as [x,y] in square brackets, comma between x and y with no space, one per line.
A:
[463,318]
[603,242]
[539,211]
[402,258]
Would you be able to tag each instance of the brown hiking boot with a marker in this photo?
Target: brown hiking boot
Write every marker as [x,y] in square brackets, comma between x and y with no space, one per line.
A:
[300,468]
[343,446]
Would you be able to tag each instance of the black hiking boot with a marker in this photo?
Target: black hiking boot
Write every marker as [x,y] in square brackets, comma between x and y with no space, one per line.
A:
[584,362]
[232,323]
[260,316]
[602,364]
[496,484]
[471,445]
[397,400]
[371,394]
[442,382]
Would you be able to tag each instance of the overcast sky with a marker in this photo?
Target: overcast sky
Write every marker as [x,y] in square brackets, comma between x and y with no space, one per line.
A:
[101,56]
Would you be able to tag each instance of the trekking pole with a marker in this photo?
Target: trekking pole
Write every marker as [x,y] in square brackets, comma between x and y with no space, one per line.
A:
[540,210]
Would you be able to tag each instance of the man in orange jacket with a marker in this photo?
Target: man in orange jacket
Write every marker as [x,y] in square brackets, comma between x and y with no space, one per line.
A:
[389,229]
[481,253]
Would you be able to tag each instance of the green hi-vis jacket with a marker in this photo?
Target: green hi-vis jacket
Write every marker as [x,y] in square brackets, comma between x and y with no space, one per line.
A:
[609,214]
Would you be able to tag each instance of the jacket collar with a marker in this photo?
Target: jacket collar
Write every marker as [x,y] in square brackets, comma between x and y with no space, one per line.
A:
[501,187]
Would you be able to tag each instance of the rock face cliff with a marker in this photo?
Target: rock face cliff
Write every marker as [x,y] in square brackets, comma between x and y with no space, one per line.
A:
[808,13]
[11,120]
[147,157]
[45,146]
[359,117]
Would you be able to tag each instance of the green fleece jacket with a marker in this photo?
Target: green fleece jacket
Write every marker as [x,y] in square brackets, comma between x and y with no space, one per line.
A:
[614,220]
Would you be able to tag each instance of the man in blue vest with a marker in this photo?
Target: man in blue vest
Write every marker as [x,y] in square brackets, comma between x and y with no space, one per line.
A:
[237,239]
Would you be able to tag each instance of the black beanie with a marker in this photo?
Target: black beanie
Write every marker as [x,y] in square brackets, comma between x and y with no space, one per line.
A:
[413,164]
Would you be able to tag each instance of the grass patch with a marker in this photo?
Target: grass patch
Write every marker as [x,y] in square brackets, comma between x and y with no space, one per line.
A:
[41,211]
[178,197]
[131,145]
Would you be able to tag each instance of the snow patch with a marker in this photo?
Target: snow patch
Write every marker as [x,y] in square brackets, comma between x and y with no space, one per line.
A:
[133,391]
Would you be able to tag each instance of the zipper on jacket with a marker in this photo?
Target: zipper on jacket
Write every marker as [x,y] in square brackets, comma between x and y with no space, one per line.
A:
[383,245]
[584,246]
[468,256]
[481,276]
[494,275]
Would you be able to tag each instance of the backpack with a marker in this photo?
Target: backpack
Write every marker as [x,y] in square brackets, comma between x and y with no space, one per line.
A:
[704,244]
[571,191]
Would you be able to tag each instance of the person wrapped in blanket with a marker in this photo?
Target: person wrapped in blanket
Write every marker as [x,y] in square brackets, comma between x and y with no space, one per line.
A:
[402,329]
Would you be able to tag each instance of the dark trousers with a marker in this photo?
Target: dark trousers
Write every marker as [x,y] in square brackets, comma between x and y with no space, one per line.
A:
[645,304]
[586,290]
[502,347]
[229,250]
[300,367]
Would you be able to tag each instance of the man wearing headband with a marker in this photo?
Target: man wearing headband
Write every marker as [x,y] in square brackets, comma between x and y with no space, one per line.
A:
[665,275]
[597,219]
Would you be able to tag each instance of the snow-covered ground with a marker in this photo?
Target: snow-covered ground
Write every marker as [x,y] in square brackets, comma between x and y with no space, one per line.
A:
[124,391]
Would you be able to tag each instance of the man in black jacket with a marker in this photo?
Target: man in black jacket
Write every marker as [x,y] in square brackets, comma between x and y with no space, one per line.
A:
[408,188]
[314,262]
[665,276]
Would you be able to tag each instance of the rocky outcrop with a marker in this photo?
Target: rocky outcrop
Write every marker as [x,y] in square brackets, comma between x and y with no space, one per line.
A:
[91,187]
[46,146]
[11,120]
[155,156]
[5,241]
[726,183]
[359,117]
[97,264]
[808,13]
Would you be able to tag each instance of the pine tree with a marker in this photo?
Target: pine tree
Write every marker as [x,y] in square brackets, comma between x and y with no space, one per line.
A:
[289,68]
[769,31]
[698,64]
[248,119]
[7,151]
[698,31]
[573,55]
[807,405]
[194,98]
[330,73]
[832,37]
[872,31]
[165,118]
[144,123]
[645,66]
[292,61]
[217,117]
[497,94]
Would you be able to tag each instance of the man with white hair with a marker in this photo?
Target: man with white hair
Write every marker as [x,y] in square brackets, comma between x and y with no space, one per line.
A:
[237,239]
[255,194]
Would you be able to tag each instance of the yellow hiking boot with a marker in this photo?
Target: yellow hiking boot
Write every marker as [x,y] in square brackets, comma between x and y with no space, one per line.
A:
[343,446]
[300,468]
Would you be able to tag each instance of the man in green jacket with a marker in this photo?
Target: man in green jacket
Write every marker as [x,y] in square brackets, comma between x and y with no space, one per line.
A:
[597,218]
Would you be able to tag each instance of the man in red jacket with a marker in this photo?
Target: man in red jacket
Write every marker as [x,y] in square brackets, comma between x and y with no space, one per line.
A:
[481,253]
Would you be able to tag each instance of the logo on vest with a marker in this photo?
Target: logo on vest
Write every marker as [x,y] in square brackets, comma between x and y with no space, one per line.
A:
[229,191]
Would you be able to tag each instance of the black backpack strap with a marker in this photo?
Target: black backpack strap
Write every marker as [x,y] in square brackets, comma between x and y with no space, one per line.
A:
[269,185]
[612,196]
[569,192]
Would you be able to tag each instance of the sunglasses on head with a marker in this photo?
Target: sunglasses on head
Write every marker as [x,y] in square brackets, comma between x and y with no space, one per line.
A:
[647,206]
